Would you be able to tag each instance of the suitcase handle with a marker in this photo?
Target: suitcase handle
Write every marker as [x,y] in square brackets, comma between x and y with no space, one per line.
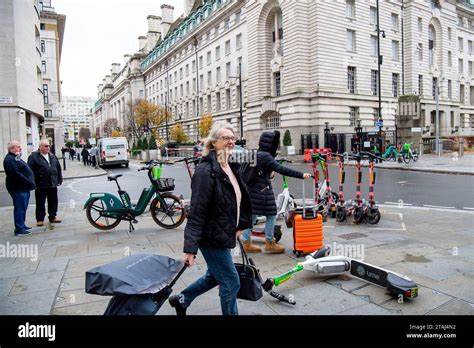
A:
[304,200]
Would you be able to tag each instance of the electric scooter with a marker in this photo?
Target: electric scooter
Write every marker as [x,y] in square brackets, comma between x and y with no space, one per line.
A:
[330,198]
[341,212]
[355,207]
[322,264]
[370,209]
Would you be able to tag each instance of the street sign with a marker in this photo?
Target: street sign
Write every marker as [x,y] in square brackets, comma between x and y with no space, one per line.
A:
[6,100]
[70,133]
[379,124]
[416,130]
[92,141]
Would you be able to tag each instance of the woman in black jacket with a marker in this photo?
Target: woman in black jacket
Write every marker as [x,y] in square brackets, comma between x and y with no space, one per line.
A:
[261,192]
[220,208]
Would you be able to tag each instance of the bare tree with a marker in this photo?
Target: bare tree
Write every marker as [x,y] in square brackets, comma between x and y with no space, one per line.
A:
[110,125]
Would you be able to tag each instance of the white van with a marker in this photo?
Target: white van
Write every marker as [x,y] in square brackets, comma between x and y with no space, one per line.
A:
[113,151]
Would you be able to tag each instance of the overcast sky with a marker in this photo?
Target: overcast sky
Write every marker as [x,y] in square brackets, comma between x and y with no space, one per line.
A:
[97,34]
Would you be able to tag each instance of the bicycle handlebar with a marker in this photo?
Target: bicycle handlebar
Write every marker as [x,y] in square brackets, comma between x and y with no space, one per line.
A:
[371,155]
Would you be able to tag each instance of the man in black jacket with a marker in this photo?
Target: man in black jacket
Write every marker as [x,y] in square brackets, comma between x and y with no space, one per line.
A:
[19,182]
[48,177]
[261,192]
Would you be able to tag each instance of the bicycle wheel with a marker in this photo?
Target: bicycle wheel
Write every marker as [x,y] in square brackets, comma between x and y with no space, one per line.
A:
[167,212]
[406,158]
[93,210]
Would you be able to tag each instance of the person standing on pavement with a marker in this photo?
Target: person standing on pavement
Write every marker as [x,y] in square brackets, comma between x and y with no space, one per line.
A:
[85,156]
[48,177]
[94,156]
[220,209]
[19,182]
[261,192]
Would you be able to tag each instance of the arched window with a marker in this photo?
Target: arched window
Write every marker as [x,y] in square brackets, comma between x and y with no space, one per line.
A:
[272,120]
[431,43]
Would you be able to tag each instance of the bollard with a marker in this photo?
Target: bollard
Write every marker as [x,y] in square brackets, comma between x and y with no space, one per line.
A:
[461,147]
[64,163]
[421,147]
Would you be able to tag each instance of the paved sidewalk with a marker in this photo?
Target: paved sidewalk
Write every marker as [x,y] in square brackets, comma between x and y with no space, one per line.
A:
[435,248]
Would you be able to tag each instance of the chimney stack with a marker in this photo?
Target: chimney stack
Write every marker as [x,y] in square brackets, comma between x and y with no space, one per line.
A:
[154,23]
[141,42]
[167,18]
[126,58]
[115,68]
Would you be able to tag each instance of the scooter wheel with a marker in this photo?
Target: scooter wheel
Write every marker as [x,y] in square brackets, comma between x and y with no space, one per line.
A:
[298,254]
[341,214]
[358,215]
[373,217]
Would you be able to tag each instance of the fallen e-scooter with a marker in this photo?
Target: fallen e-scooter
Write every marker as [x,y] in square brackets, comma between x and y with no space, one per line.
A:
[322,264]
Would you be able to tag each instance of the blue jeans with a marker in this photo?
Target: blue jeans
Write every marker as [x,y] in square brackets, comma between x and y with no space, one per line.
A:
[20,204]
[220,271]
[269,228]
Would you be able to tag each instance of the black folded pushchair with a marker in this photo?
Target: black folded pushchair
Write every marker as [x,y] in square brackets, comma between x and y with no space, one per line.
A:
[140,284]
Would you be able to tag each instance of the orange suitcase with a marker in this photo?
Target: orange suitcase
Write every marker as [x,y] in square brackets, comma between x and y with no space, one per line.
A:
[307,229]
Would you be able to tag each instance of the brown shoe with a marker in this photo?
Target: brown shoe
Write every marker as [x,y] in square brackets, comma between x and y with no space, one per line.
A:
[249,248]
[55,221]
[273,248]
[39,223]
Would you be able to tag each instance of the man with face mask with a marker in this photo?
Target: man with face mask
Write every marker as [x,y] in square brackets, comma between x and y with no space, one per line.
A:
[19,182]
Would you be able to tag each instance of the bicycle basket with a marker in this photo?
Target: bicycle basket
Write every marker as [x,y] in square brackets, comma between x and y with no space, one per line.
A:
[166,184]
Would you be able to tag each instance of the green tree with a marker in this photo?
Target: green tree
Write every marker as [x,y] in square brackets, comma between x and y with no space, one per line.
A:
[152,143]
[287,138]
[140,144]
[145,144]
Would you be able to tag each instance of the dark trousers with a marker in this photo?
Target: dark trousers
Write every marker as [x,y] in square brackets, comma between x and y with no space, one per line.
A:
[20,204]
[94,162]
[51,194]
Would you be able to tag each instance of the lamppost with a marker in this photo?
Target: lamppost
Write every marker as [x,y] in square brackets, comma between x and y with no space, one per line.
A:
[379,63]
[241,103]
[166,100]
[358,131]
[197,87]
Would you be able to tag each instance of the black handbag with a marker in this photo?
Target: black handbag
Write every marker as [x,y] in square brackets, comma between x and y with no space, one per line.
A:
[250,280]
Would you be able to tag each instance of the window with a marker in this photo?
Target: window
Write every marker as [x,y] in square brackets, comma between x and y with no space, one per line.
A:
[431,44]
[374,81]
[194,66]
[201,106]
[227,71]
[375,114]
[470,68]
[450,59]
[42,26]
[420,85]
[373,15]
[350,8]
[395,54]
[227,24]
[450,92]
[272,121]
[351,78]
[218,52]
[420,52]
[194,85]
[45,94]
[435,84]
[187,87]
[238,42]
[373,45]
[420,25]
[351,40]
[218,75]
[48,113]
[461,94]
[43,46]
[460,44]
[186,69]
[227,47]
[353,115]
[452,118]
[209,58]
[460,21]
[237,17]
[209,78]
[181,73]
[209,104]
[201,81]
[469,47]
[175,76]
[394,21]
[460,66]
[216,31]
[181,90]
[227,99]
[43,64]
[395,84]
[201,62]
[218,102]
[449,34]
[277,84]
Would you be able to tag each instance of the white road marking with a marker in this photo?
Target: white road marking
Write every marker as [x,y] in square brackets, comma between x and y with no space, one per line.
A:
[438,206]
[400,204]
[401,216]
[468,208]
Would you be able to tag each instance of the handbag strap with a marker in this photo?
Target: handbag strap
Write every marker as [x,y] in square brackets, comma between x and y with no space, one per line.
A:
[245,260]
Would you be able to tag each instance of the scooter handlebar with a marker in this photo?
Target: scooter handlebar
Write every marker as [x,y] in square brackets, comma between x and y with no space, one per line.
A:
[283,160]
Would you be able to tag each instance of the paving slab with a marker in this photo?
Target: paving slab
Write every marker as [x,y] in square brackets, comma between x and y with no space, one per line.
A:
[37,282]
[454,307]
[76,283]
[28,303]
[52,265]
[18,269]
[73,250]
[369,309]
[75,297]
[92,308]
[6,285]
[374,294]
[346,283]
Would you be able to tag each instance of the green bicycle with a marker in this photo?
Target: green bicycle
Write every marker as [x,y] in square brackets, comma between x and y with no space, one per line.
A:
[105,211]
[391,154]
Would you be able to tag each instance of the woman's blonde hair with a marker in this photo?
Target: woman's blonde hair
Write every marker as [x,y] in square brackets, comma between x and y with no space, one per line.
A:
[214,134]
